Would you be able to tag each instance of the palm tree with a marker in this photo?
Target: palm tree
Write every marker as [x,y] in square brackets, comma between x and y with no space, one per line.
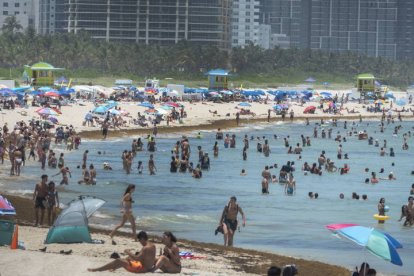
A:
[11,25]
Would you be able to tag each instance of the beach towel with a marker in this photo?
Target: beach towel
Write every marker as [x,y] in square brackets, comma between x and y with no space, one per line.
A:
[189,255]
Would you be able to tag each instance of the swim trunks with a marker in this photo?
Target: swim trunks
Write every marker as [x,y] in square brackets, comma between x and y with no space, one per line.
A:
[289,191]
[40,202]
[135,267]
[231,224]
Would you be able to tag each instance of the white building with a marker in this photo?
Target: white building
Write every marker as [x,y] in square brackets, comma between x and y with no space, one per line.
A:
[21,9]
[245,22]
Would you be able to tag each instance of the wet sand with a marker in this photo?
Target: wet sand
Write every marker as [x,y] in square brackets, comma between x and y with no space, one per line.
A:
[241,261]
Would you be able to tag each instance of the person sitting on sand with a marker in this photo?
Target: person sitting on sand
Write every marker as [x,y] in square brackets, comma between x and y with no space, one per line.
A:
[169,261]
[141,263]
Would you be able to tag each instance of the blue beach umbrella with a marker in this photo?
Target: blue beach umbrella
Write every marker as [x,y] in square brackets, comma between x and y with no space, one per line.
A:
[101,109]
[379,243]
[45,88]
[6,92]
[146,104]
[326,94]
[401,102]
[245,104]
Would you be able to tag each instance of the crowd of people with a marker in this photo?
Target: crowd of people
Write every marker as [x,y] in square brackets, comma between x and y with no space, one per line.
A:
[32,139]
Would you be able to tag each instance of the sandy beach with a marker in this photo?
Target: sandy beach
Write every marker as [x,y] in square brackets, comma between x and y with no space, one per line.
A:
[201,115]
[215,259]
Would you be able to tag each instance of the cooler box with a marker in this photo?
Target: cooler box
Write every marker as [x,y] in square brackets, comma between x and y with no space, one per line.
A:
[6,232]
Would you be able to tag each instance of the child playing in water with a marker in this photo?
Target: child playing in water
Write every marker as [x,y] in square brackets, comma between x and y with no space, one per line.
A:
[140,167]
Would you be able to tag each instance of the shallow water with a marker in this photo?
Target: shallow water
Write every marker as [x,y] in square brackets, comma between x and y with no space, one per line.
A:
[293,225]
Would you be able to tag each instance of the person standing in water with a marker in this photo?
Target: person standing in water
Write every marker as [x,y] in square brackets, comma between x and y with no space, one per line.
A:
[381,209]
[228,220]
[126,211]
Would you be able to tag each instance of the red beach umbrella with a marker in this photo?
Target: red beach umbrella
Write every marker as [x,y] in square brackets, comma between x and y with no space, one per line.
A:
[310,109]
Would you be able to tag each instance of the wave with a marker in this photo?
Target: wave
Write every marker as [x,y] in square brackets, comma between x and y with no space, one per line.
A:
[20,192]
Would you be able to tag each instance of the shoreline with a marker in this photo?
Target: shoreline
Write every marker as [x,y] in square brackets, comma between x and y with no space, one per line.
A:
[223,124]
[241,260]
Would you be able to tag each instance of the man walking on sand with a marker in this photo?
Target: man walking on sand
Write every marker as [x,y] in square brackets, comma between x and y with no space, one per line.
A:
[140,263]
[39,198]
[229,220]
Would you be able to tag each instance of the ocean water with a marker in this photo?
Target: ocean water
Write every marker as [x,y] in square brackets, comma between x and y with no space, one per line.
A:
[291,225]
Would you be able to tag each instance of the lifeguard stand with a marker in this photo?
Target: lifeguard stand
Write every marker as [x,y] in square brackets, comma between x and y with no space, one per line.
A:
[41,74]
[366,85]
[218,79]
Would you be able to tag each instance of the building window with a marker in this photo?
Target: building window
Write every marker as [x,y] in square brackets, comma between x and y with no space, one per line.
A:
[17,5]
[5,13]
[5,4]
[16,13]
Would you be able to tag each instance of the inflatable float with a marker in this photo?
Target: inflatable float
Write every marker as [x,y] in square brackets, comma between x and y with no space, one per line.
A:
[378,217]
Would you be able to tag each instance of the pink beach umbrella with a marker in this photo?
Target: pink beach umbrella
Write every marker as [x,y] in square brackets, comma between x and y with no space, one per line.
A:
[47,111]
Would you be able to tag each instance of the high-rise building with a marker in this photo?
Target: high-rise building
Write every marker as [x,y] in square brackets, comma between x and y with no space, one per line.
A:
[374,27]
[245,22]
[284,18]
[405,29]
[142,21]
[21,9]
[364,26]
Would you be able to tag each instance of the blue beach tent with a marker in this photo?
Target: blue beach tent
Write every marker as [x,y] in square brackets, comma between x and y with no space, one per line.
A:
[71,226]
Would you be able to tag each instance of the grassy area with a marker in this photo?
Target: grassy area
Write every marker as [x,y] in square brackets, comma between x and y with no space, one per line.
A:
[282,78]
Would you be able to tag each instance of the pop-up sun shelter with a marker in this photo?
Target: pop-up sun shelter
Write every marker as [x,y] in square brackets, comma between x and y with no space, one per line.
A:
[6,226]
[71,226]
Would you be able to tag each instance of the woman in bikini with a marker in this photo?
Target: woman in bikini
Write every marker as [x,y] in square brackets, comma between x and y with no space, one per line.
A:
[169,261]
[126,211]
[52,202]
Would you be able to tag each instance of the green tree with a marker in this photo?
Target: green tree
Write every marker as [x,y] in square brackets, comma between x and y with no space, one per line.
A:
[11,25]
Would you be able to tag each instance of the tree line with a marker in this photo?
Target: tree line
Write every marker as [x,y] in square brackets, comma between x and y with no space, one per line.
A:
[80,52]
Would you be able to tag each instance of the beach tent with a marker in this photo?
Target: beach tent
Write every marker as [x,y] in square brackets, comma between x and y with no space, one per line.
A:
[71,226]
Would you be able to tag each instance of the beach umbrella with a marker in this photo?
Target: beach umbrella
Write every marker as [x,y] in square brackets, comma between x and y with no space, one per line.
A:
[226,92]
[309,109]
[379,243]
[401,102]
[47,111]
[53,119]
[244,104]
[146,104]
[151,111]
[6,208]
[111,103]
[166,107]
[114,112]
[278,106]
[161,111]
[173,104]
[310,80]
[379,101]
[213,93]
[389,95]
[326,94]
[45,88]
[6,92]
[71,226]
[101,109]
[51,94]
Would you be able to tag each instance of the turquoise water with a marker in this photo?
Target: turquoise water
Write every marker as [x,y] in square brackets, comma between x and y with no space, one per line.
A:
[191,208]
